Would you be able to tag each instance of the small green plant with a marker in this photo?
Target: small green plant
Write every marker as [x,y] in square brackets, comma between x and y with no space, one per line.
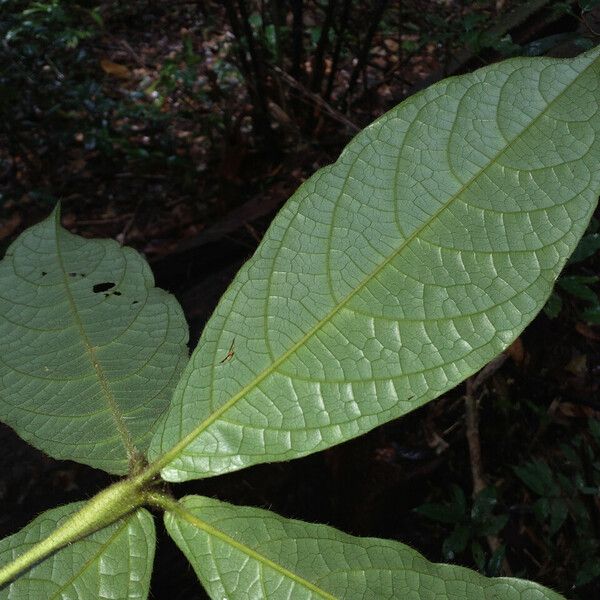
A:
[470,525]
[387,279]
[579,288]
[563,502]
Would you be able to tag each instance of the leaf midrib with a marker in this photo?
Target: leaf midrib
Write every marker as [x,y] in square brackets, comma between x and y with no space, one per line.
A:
[179,510]
[95,556]
[179,448]
[111,402]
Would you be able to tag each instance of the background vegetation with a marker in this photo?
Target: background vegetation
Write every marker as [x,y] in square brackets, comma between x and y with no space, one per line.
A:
[181,127]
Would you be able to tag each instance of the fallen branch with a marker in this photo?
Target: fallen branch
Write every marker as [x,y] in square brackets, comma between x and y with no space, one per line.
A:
[316,99]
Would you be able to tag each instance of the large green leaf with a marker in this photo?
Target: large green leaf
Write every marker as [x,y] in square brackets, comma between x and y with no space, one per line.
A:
[397,272]
[115,562]
[86,367]
[248,553]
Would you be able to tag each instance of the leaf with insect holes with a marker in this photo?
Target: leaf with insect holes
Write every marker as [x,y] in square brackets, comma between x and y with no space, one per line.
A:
[91,350]
[395,273]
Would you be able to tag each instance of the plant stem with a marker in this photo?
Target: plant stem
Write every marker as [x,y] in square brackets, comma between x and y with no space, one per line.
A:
[103,509]
[340,34]
[318,64]
[297,38]
[472,434]
[252,71]
[363,53]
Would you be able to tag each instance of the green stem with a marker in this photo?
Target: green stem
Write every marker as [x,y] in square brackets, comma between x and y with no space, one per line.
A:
[163,501]
[103,509]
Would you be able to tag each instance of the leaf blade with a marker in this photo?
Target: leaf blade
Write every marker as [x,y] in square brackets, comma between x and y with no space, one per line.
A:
[91,349]
[242,552]
[387,280]
[113,562]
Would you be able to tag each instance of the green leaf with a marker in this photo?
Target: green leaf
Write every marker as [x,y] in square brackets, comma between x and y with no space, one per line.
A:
[538,477]
[588,5]
[495,562]
[493,525]
[588,572]
[594,426]
[458,499]
[448,512]
[592,314]
[484,503]
[588,246]
[397,272]
[115,562]
[456,542]
[553,306]
[541,509]
[559,511]
[240,552]
[90,351]
[444,513]
[577,285]
[478,555]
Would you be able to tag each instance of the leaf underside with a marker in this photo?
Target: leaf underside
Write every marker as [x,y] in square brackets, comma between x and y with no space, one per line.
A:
[91,350]
[248,553]
[395,273]
[115,562]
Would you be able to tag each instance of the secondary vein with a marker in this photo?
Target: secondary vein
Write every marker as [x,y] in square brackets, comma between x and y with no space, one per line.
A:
[180,446]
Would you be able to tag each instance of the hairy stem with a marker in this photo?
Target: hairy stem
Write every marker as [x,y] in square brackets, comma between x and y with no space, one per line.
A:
[102,510]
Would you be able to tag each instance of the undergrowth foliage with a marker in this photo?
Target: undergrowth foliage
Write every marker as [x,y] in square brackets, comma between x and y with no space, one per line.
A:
[387,279]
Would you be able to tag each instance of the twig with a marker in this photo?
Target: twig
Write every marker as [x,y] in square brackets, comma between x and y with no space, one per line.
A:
[584,22]
[318,64]
[133,53]
[297,33]
[533,559]
[472,434]
[252,231]
[472,420]
[332,112]
[363,53]
[487,372]
[388,76]
[123,235]
[252,70]
[340,34]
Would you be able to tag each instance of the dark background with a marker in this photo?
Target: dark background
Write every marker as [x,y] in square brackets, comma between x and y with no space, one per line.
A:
[180,128]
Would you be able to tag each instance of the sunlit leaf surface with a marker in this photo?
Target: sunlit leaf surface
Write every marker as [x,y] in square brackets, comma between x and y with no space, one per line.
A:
[397,272]
[113,563]
[244,553]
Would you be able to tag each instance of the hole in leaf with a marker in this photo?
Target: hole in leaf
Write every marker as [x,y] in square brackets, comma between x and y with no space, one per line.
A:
[135,302]
[103,287]
[44,273]
[117,293]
